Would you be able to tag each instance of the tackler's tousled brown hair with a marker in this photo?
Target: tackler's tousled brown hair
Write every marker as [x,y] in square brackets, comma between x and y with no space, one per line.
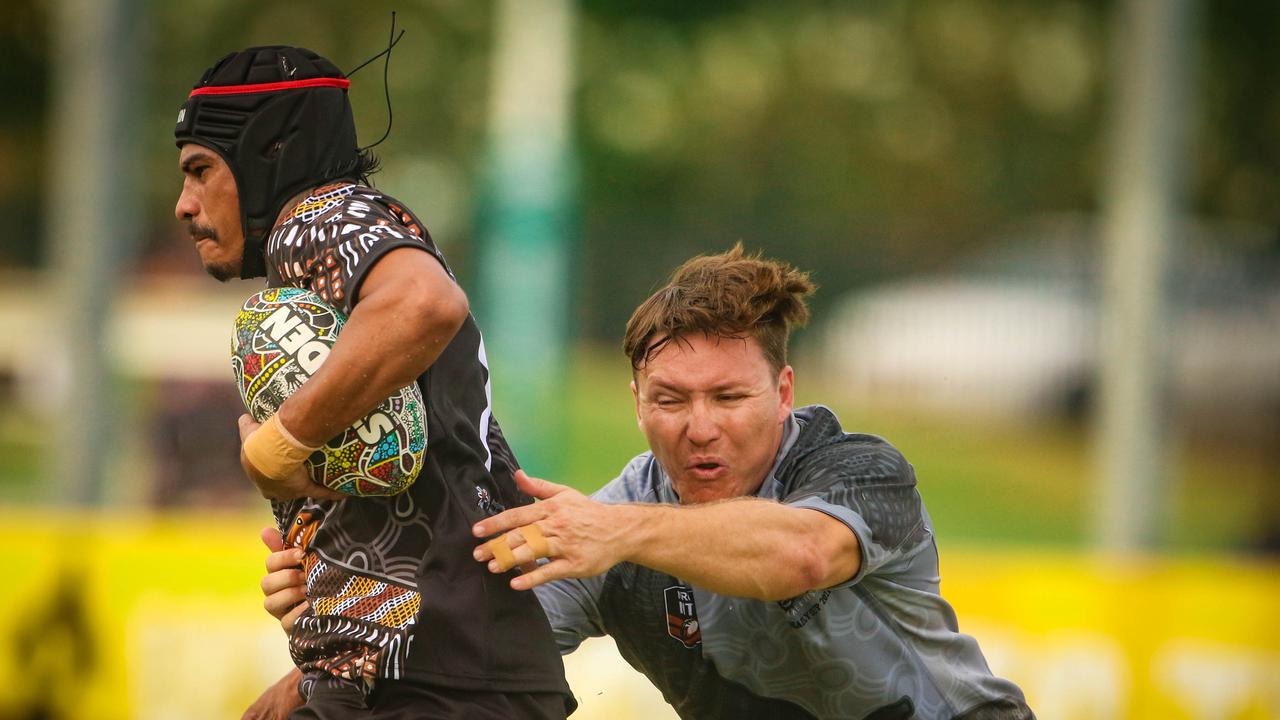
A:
[729,295]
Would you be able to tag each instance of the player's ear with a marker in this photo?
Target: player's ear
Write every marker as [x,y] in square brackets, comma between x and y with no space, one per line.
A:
[786,392]
[635,395]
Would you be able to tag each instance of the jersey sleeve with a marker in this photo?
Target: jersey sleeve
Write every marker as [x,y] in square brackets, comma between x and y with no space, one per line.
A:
[870,487]
[329,244]
[570,606]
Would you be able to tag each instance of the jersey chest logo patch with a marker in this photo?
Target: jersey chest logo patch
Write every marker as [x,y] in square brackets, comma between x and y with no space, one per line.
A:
[682,616]
[486,504]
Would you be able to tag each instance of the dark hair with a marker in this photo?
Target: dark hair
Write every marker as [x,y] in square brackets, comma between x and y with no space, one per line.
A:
[366,163]
[730,295]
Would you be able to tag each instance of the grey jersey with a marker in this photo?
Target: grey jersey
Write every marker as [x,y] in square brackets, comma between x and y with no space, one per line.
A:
[883,645]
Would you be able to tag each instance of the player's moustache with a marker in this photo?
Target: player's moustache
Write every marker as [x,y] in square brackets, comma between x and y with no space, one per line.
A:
[198,231]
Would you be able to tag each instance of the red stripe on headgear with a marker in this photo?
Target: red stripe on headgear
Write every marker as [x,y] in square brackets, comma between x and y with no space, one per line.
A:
[270,87]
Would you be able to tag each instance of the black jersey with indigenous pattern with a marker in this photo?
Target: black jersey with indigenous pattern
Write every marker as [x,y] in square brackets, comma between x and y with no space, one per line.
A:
[393,589]
[883,645]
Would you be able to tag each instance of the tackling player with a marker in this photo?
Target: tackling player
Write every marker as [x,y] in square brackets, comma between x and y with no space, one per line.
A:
[759,561]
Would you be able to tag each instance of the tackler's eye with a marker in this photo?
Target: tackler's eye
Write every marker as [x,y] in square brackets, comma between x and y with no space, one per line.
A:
[273,152]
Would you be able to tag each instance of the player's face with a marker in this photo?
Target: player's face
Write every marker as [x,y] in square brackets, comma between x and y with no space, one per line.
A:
[210,207]
[713,412]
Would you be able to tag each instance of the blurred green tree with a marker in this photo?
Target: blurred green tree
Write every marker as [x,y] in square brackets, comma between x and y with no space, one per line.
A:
[860,140]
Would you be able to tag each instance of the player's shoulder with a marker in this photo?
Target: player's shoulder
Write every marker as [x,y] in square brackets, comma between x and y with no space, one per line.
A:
[321,201]
[315,219]
[636,483]
[823,447]
[349,208]
[390,210]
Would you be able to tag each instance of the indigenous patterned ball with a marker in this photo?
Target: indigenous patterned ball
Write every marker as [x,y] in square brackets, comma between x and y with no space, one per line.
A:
[282,336]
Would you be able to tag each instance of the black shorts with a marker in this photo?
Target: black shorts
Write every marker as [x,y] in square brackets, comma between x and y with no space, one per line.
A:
[400,700]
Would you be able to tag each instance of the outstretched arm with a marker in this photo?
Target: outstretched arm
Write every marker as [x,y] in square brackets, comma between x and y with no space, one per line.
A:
[746,547]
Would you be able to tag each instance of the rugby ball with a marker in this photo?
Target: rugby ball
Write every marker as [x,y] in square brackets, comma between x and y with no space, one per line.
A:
[282,336]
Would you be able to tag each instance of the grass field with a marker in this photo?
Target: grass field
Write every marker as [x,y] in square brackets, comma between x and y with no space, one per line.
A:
[984,483]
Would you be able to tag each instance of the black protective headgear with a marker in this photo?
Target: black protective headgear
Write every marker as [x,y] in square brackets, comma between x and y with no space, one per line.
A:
[279,116]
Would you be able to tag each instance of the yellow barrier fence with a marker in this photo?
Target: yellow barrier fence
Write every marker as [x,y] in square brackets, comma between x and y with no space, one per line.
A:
[161,617]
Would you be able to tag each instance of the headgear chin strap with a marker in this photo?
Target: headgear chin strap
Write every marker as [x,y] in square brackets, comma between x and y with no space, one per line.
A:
[279,116]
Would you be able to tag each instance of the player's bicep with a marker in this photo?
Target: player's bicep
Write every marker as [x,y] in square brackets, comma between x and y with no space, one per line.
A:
[409,271]
[874,545]
[836,541]
[410,292]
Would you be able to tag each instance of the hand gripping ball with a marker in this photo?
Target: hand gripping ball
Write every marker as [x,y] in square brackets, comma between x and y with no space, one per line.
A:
[282,336]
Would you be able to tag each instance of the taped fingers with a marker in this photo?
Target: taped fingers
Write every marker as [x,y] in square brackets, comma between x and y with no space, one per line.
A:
[536,540]
[502,552]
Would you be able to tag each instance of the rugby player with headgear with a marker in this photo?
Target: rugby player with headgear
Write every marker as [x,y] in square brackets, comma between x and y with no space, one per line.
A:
[275,186]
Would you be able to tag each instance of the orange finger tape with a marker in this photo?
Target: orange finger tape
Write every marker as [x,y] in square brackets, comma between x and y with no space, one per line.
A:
[502,552]
[537,541]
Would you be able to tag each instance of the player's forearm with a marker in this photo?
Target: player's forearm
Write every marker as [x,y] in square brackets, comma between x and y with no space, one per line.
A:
[386,344]
[744,547]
